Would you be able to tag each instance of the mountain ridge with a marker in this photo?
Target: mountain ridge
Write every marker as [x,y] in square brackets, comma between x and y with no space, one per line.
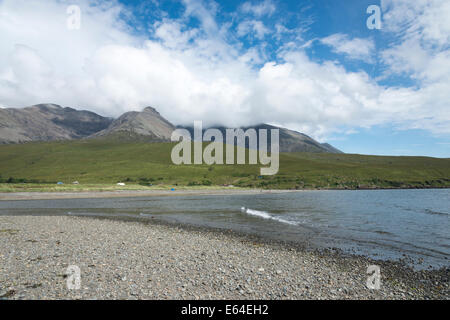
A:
[50,122]
[290,140]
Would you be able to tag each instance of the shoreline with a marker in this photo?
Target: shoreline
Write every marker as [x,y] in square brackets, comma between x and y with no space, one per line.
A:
[37,195]
[128,259]
[54,195]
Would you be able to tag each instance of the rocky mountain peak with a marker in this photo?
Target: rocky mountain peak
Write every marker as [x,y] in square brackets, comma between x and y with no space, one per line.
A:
[145,125]
[150,109]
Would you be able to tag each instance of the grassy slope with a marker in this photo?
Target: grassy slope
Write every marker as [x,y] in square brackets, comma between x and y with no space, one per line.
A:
[105,162]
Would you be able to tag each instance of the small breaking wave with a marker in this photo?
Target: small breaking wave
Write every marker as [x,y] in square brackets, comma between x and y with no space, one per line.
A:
[266,215]
[146,215]
[429,211]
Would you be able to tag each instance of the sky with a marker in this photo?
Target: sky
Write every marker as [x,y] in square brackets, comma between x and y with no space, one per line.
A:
[311,66]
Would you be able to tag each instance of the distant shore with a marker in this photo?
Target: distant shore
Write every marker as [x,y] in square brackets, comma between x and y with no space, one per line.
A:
[184,191]
[35,195]
[121,259]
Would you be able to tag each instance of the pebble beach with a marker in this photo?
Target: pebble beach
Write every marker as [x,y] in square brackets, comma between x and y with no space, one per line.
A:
[121,259]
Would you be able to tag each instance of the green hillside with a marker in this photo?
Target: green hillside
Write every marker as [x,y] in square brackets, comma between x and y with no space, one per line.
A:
[140,163]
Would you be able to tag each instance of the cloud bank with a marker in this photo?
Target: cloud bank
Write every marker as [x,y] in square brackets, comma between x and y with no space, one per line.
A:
[204,72]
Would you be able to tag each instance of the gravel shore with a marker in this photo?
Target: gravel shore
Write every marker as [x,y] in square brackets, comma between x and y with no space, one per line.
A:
[134,260]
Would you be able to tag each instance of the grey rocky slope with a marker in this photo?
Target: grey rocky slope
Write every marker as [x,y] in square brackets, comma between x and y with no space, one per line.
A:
[148,123]
[330,148]
[290,140]
[48,122]
[293,141]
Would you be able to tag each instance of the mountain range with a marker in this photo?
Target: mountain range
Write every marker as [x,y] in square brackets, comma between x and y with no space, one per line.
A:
[51,122]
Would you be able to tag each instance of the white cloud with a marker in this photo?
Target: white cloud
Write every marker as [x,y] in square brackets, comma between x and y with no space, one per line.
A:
[195,74]
[356,48]
[172,34]
[423,54]
[263,8]
[295,34]
[423,51]
[252,27]
[198,9]
[426,20]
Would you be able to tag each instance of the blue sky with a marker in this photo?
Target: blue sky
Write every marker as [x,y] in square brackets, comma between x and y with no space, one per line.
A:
[312,66]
